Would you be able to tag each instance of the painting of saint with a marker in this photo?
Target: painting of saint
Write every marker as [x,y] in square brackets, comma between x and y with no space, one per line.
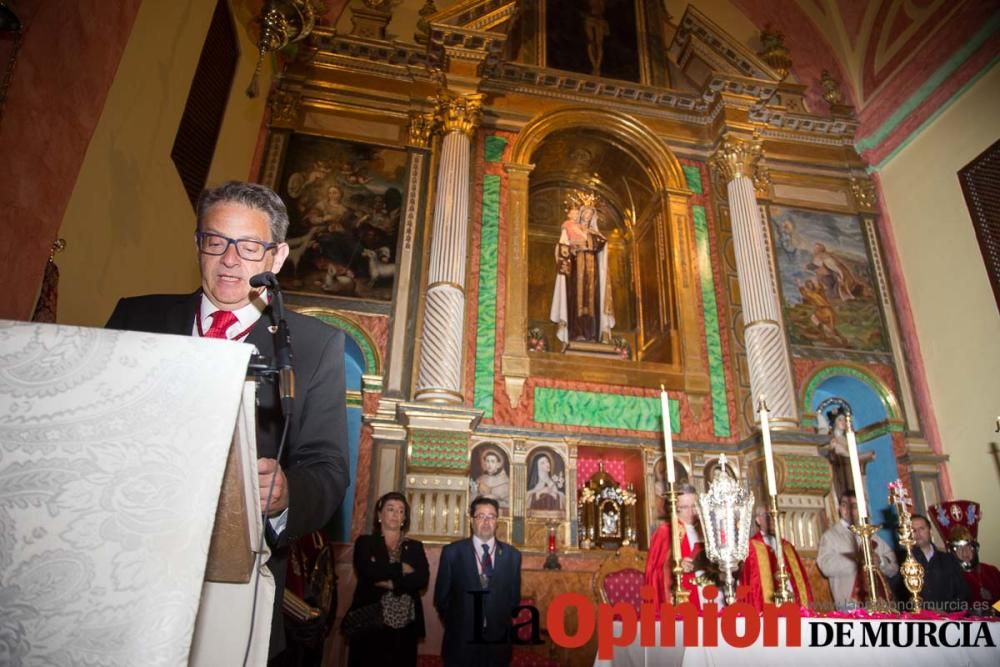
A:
[546,481]
[713,471]
[344,205]
[489,474]
[582,306]
[660,486]
[828,292]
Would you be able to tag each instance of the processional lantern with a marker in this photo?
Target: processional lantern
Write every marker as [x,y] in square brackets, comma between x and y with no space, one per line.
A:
[727,520]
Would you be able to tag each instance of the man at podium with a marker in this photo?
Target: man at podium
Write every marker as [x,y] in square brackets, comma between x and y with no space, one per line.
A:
[240,233]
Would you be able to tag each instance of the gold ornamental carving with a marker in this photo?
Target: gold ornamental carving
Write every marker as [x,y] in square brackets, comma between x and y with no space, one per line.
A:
[762,182]
[420,128]
[458,113]
[284,106]
[774,51]
[423,33]
[831,89]
[864,193]
[738,157]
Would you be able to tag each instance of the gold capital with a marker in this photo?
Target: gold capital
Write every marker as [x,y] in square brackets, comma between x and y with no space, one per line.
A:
[737,157]
[458,113]
[420,128]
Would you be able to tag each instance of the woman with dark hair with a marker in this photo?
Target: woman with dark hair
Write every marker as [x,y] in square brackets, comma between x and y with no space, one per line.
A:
[392,572]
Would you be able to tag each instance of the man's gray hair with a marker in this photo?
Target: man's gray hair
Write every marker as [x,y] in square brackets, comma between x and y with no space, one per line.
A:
[251,195]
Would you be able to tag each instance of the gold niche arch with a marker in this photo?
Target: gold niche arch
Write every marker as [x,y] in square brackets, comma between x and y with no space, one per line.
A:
[646,217]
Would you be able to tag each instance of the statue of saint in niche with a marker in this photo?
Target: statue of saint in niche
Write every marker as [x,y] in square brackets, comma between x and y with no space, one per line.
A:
[581,302]
[836,451]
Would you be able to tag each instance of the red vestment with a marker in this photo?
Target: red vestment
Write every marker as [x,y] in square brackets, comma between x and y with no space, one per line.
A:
[760,569]
[984,585]
[659,567]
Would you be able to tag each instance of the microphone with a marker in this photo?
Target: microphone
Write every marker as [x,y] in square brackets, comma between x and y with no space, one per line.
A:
[266,279]
[282,341]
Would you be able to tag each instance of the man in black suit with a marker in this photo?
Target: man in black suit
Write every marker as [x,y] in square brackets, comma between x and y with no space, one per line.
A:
[944,588]
[480,570]
[241,231]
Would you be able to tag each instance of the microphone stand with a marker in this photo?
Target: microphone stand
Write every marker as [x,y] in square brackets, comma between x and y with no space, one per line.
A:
[282,343]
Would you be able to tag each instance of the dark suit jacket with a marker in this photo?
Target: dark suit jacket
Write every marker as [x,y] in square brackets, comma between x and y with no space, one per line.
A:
[371,562]
[315,460]
[458,574]
[945,589]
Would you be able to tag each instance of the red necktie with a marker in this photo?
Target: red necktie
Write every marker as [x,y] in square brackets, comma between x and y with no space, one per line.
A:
[487,561]
[221,321]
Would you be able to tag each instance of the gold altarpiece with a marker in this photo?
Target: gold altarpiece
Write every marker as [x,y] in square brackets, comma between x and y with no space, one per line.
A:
[652,268]
[365,88]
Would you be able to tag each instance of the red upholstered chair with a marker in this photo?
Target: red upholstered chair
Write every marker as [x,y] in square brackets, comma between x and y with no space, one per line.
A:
[620,577]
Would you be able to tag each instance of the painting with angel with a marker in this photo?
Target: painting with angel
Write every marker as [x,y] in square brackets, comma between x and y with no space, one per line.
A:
[826,278]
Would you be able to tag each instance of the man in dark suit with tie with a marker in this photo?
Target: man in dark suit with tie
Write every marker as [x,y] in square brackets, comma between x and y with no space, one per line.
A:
[478,586]
[240,233]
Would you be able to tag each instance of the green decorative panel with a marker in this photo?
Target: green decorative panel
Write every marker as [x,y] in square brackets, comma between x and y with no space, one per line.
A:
[806,474]
[493,148]
[878,431]
[486,315]
[710,312]
[692,175]
[589,408]
[442,451]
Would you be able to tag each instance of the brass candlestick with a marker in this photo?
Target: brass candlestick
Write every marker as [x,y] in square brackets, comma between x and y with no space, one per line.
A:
[782,589]
[865,530]
[679,593]
[912,571]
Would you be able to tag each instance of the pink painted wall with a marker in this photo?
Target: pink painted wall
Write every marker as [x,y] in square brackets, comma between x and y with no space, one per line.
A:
[67,61]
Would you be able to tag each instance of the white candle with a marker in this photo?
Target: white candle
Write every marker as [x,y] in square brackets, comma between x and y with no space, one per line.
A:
[765,432]
[668,437]
[859,487]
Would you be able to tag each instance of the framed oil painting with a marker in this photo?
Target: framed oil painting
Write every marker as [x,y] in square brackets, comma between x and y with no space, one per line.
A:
[546,482]
[344,202]
[826,278]
[489,474]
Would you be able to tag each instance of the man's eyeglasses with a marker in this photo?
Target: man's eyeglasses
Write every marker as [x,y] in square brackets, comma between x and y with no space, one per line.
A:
[217,244]
[485,517]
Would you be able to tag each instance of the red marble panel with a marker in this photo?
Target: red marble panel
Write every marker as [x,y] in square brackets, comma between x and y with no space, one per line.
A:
[362,481]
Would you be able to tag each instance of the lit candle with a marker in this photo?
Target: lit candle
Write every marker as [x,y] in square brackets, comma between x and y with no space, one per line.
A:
[859,487]
[668,437]
[765,432]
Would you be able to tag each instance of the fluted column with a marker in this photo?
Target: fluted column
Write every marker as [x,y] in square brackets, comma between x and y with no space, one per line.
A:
[767,349]
[439,376]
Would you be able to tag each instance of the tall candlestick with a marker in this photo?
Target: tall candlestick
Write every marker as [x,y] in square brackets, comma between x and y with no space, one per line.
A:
[668,437]
[859,487]
[765,431]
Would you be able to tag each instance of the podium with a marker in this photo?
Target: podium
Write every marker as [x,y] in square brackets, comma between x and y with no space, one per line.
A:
[129,511]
